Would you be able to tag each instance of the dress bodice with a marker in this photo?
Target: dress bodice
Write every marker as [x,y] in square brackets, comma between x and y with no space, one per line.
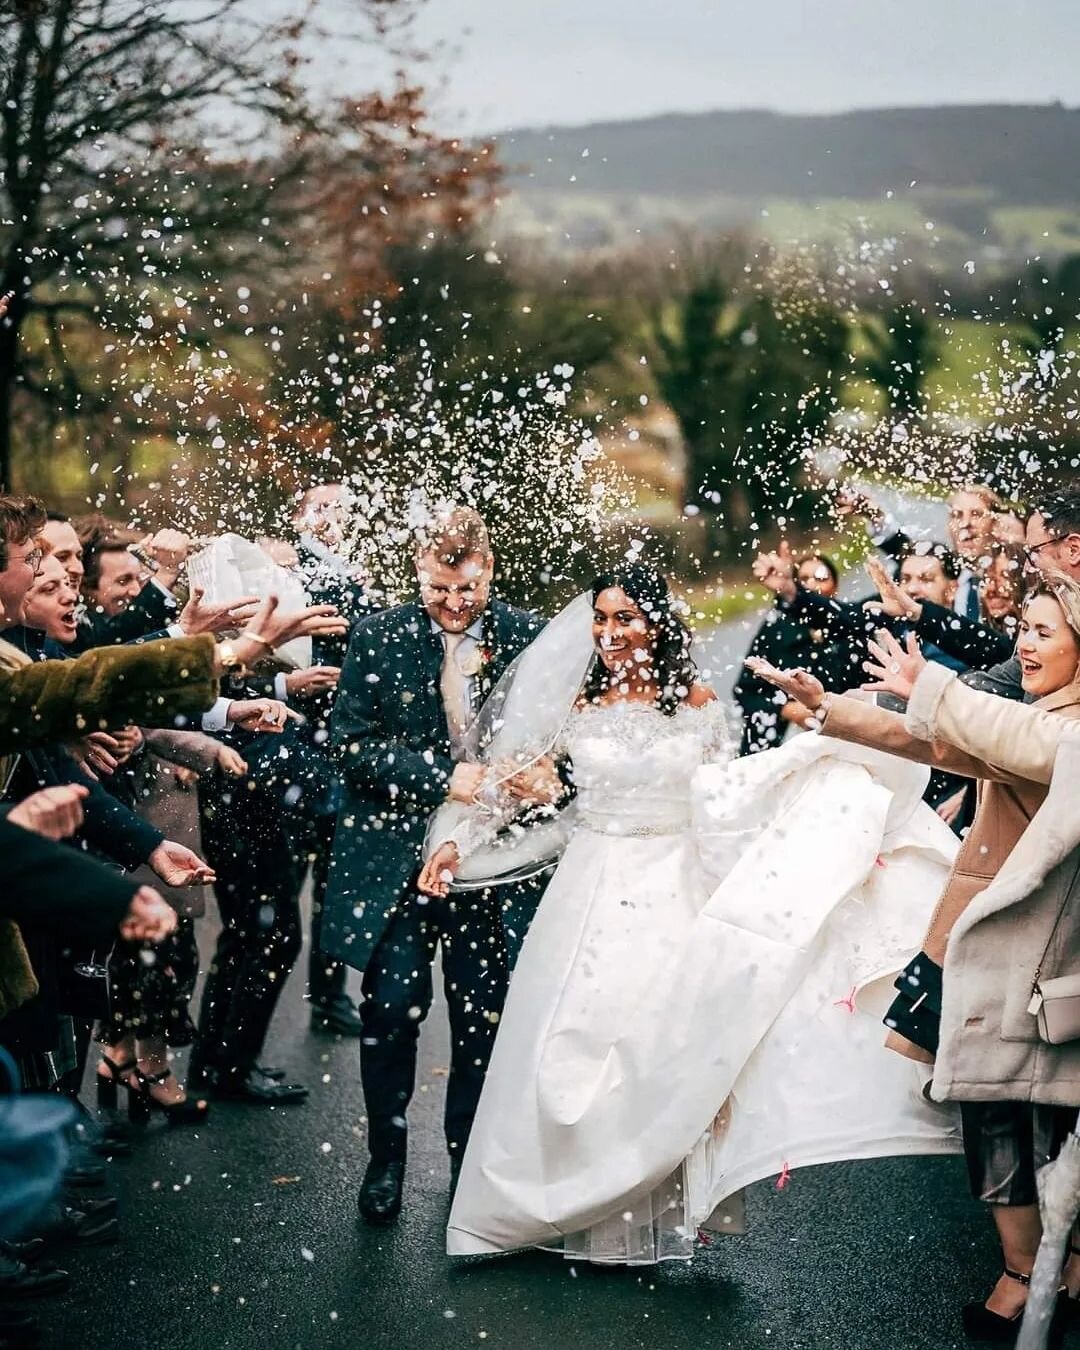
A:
[632,764]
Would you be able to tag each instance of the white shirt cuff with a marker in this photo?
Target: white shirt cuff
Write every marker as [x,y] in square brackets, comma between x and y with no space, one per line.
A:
[281,689]
[217,719]
[164,591]
[174,630]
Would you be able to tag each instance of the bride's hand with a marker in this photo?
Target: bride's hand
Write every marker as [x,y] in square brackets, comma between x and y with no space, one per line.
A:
[807,689]
[538,785]
[894,668]
[439,871]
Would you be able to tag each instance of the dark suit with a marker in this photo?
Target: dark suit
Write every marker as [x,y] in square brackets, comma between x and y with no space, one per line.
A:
[820,646]
[147,617]
[296,767]
[390,731]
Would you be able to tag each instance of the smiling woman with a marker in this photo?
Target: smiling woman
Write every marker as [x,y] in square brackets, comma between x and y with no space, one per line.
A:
[1049,645]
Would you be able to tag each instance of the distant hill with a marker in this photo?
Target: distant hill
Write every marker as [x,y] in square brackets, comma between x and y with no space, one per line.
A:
[979,166]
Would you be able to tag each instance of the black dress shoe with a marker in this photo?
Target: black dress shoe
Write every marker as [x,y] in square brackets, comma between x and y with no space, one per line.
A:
[270,1071]
[85,1176]
[18,1328]
[380,1191]
[31,1281]
[259,1090]
[338,1016]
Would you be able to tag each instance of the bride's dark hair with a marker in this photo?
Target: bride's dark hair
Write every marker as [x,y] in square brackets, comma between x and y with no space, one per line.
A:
[673,666]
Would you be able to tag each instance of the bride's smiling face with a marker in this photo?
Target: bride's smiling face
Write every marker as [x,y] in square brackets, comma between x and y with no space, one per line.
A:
[620,631]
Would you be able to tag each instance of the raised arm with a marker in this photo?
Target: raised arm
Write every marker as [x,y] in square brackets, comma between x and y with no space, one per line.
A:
[108,687]
[976,644]
[1018,738]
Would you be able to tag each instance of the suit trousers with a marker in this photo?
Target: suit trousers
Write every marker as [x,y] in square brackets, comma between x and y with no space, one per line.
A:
[397,996]
[258,894]
[326,977]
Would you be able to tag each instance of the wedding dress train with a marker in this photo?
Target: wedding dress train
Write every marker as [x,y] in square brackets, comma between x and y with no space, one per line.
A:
[697,1004]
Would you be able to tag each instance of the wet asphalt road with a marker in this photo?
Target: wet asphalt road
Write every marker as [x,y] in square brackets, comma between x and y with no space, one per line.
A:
[244,1236]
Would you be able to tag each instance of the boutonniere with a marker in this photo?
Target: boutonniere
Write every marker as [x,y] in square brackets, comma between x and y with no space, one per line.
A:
[475,662]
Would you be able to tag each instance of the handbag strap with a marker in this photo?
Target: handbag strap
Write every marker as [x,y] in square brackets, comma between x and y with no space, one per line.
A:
[1050,939]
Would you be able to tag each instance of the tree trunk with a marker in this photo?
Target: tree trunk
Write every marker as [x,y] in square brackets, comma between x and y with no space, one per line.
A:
[9,338]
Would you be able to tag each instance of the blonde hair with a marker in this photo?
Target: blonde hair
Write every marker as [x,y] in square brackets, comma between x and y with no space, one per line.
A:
[986,495]
[454,535]
[1064,590]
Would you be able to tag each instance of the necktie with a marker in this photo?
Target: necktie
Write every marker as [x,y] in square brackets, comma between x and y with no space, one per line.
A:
[453,686]
[972,601]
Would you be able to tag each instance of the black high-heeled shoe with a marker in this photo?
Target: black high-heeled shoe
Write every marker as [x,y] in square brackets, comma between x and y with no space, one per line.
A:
[981,1324]
[142,1102]
[107,1087]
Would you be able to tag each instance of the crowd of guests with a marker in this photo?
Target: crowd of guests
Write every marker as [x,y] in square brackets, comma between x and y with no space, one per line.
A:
[977,644]
[153,745]
[962,598]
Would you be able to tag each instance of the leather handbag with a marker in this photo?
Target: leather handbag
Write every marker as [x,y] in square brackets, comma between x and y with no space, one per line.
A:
[916,1012]
[1058,1012]
[1055,1004]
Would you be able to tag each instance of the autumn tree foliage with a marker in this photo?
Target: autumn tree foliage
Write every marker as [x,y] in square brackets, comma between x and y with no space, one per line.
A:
[169,183]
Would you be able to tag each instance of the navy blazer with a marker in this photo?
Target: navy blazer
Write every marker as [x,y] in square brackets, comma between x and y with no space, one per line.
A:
[393,749]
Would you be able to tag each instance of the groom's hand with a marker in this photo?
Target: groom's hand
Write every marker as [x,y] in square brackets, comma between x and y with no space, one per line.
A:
[439,871]
[466,781]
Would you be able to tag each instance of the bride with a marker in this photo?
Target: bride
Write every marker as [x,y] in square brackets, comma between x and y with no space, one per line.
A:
[697,1003]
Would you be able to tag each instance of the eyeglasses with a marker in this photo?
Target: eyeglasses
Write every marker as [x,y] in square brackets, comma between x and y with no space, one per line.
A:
[1032,552]
[33,558]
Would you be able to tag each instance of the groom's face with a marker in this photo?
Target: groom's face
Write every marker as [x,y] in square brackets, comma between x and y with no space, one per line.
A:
[455,595]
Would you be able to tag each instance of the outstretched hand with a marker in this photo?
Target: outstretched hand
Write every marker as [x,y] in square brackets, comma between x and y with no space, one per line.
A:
[198,616]
[894,602]
[800,685]
[777,570]
[894,668]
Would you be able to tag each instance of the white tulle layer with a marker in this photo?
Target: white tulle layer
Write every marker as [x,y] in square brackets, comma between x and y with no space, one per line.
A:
[646,1001]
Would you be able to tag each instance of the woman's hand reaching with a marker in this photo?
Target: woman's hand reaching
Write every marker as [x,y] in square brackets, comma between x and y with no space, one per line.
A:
[800,685]
[894,668]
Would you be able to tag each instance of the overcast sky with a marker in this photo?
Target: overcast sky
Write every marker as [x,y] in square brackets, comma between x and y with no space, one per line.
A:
[512,63]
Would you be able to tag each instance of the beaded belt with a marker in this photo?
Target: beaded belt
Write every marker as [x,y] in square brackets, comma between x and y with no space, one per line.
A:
[624,830]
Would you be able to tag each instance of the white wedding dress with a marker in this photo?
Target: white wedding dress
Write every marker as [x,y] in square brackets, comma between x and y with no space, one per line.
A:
[682,1019]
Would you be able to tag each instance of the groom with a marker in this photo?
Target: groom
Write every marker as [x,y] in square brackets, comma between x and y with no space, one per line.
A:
[413,678]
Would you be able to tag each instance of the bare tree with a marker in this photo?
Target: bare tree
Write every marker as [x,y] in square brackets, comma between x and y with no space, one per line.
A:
[114,118]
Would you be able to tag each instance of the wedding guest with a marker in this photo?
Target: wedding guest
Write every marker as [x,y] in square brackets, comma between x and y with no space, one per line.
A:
[974,512]
[65,546]
[785,641]
[84,898]
[972,644]
[1019,1096]
[412,679]
[1052,541]
[304,778]
[123,602]
[1001,593]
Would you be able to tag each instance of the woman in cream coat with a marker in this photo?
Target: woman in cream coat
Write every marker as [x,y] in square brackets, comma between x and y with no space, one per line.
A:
[1010,914]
